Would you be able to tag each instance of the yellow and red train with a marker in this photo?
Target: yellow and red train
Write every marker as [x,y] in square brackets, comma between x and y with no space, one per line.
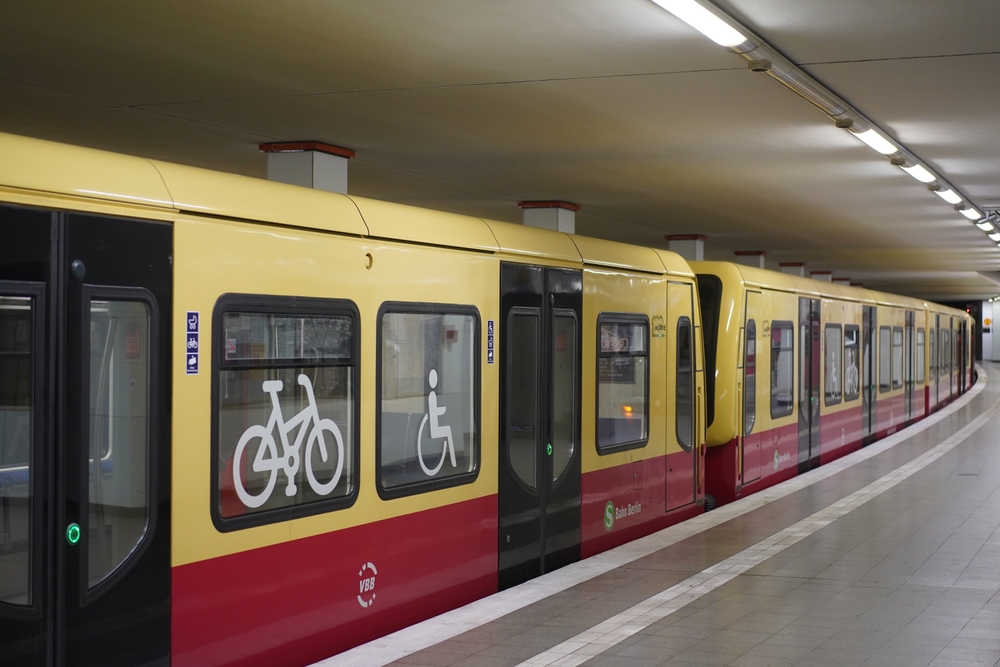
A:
[246,423]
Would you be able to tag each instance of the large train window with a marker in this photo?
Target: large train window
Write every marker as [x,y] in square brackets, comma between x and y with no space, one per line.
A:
[427,421]
[750,379]
[920,355]
[685,384]
[945,356]
[884,359]
[852,362]
[782,369]
[622,381]
[833,364]
[285,408]
[897,357]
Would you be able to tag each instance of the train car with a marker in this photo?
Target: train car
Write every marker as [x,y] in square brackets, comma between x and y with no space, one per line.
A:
[246,423]
[808,371]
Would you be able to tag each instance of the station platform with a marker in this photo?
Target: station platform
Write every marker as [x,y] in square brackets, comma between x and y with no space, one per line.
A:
[887,557]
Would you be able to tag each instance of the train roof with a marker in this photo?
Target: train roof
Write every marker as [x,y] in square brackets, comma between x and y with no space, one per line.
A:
[775,280]
[83,173]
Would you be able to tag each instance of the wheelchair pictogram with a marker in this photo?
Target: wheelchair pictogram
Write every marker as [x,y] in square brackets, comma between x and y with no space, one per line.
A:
[437,431]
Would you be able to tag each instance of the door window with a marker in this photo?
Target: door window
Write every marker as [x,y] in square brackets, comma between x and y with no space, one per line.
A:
[622,381]
[920,355]
[750,379]
[897,357]
[685,384]
[522,395]
[17,387]
[119,433]
[428,412]
[564,381]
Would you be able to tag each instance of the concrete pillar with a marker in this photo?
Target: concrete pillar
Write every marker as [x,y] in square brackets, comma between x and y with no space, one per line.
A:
[794,268]
[825,276]
[311,164]
[559,216]
[753,258]
[688,246]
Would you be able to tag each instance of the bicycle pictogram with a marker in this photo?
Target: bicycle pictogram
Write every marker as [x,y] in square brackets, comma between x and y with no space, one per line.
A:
[437,431]
[311,428]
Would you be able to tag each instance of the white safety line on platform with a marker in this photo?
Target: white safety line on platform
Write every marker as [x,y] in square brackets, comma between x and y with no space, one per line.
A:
[604,636]
[440,628]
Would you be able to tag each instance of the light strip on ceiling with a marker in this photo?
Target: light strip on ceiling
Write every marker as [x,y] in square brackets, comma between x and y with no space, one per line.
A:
[995,236]
[704,21]
[920,173]
[985,225]
[971,213]
[877,142]
[762,57]
[949,196]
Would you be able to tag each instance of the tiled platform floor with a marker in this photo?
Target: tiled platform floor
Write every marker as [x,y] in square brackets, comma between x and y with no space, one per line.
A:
[909,578]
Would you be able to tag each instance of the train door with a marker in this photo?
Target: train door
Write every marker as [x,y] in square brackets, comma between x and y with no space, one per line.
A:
[809,360]
[751,439]
[681,479]
[868,409]
[85,306]
[539,490]
[908,361]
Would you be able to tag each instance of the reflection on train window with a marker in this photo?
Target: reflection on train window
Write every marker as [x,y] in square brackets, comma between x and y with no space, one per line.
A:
[884,359]
[622,381]
[428,409]
[16,438]
[897,357]
[685,384]
[118,447]
[852,363]
[920,355]
[832,364]
[286,396]
[944,367]
[750,379]
[782,369]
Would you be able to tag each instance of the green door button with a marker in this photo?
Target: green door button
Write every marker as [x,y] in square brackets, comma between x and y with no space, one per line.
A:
[73,533]
[548,449]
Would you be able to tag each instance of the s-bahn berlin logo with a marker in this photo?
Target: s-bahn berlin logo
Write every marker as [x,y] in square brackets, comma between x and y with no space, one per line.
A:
[609,515]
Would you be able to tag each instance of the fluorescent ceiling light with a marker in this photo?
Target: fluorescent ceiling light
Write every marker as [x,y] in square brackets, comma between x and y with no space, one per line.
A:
[971,213]
[919,173]
[703,21]
[949,196]
[985,225]
[876,141]
[995,236]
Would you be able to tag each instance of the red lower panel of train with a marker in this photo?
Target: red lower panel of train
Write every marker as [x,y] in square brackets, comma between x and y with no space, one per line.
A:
[273,606]
[624,503]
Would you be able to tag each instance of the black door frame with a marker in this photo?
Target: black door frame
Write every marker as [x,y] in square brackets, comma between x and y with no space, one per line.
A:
[809,383]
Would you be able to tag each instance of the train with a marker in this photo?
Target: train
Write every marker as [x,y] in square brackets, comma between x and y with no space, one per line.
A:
[248,423]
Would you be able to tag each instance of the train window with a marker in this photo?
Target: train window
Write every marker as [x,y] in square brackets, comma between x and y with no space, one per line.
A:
[833,364]
[782,369]
[945,356]
[750,379]
[428,386]
[920,355]
[285,434]
[852,363]
[118,433]
[884,359]
[710,298]
[685,384]
[933,353]
[622,381]
[17,409]
[897,357]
